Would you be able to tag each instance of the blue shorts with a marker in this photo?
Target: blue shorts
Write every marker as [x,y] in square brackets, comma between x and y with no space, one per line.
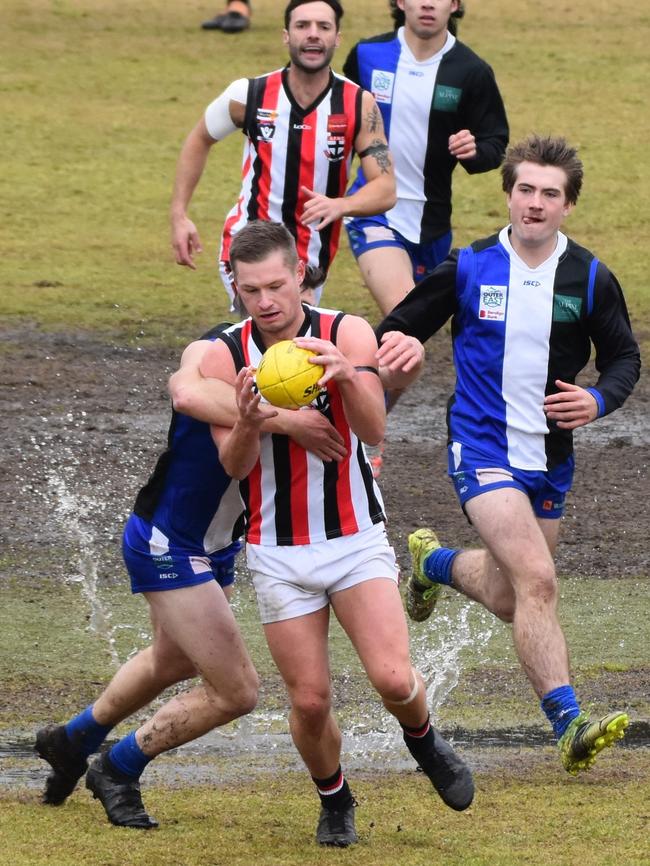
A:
[371,233]
[476,473]
[173,567]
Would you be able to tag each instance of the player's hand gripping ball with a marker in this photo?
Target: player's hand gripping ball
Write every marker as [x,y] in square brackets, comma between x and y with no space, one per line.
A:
[286,378]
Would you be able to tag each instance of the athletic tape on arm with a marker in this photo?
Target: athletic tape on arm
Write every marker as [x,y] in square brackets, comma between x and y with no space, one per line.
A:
[218,121]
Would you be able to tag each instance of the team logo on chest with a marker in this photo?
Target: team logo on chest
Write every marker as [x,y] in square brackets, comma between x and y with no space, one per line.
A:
[492,303]
[381,85]
[337,127]
[266,118]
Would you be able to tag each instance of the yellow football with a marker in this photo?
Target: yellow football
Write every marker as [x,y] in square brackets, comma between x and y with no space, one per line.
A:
[286,378]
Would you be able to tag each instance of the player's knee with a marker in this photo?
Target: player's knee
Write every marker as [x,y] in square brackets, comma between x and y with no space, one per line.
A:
[396,686]
[540,586]
[311,706]
[243,696]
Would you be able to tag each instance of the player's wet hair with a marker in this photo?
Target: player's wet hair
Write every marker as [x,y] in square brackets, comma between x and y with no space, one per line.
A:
[258,239]
[334,5]
[544,150]
[399,18]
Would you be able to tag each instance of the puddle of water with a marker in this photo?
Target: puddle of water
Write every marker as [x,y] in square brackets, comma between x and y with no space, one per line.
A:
[221,755]
[438,647]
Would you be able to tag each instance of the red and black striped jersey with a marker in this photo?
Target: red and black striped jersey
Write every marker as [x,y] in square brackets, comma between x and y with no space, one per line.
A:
[289,147]
[291,496]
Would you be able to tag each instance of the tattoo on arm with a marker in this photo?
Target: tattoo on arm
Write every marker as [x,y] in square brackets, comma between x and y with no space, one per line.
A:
[379,151]
[373,120]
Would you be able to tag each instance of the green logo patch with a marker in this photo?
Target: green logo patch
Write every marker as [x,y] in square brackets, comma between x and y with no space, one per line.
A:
[566,308]
[446,98]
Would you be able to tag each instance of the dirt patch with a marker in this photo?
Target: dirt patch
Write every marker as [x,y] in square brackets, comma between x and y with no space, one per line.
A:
[75,408]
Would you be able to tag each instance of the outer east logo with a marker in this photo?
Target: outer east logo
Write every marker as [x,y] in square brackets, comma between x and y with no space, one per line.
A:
[492,303]
[381,85]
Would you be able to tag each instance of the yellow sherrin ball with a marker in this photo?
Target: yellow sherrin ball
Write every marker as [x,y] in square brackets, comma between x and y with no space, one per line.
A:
[286,378]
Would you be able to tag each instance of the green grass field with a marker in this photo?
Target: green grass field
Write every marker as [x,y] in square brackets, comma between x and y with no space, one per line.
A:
[95,99]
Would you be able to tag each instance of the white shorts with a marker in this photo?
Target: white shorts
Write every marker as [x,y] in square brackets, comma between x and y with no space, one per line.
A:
[294,580]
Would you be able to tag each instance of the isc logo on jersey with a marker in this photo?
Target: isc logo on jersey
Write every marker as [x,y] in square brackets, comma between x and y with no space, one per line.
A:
[492,304]
[381,85]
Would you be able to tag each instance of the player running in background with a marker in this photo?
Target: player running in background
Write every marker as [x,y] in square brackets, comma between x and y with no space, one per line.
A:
[302,125]
[441,105]
[179,547]
[527,305]
[235,19]
[315,532]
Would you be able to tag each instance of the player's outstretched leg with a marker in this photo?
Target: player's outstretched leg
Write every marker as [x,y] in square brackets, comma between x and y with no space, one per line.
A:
[584,739]
[119,794]
[421,592]
[68,763]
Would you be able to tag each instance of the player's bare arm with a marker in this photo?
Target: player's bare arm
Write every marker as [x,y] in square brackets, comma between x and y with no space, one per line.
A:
[312,431]
[206,399]
[197,390]
[239,446]
[571,406]
[377,195]
[351,364]
[185,239]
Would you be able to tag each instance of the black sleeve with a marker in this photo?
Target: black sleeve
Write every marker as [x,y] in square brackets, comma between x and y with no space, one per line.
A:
[484,114]
[618,359]
[351,66]
[427,306]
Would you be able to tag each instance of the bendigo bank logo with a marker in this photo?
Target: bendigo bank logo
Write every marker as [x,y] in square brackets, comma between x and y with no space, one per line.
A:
[337,127]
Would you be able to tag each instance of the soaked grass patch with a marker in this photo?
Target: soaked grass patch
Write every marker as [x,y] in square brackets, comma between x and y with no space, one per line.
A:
[64,661]
[540,819]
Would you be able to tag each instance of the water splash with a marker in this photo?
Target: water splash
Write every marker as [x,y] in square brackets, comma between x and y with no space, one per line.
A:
[438,648]
[71,510]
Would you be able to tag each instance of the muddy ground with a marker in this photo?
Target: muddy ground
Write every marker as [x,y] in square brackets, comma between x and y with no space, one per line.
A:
[82,409]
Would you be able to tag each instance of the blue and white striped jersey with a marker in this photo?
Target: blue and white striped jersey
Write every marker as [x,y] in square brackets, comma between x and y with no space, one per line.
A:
[422,104]
[515,331]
